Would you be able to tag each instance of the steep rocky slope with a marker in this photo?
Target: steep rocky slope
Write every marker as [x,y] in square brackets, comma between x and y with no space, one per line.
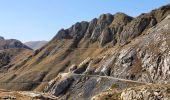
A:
[10,57]
[36,44]
[112,45]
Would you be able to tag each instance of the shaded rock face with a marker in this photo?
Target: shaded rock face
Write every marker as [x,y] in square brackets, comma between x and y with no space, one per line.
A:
[61,87]
[77,31]
[118,24]
[5,59]
[135,28]
[90,28]
[63,34]
[108,28]
[102,23]
[9,56]
[106,37]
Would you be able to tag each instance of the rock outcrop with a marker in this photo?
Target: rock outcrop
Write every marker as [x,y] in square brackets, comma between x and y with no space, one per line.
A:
[59,85]
[148,92]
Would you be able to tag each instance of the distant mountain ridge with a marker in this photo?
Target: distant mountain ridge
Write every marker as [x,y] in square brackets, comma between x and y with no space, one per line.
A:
[35,44]
[11,43]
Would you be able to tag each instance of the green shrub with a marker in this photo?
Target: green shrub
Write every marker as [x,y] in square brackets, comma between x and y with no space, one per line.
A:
[114,86]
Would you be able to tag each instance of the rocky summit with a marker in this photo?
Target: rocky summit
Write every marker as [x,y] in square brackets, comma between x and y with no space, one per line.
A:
[113,57]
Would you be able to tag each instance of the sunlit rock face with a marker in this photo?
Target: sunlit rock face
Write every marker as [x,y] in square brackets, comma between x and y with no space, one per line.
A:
[154,92]
[146,59]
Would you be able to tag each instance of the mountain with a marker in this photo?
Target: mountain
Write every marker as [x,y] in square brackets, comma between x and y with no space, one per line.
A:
[11,43]
[10,49]
[36,44]
[115,57]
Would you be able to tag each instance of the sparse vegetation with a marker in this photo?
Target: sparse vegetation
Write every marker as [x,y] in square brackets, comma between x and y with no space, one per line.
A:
[114,86]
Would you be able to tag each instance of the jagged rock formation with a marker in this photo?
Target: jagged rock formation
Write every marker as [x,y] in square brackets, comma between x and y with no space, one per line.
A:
[36,44]
[112,45]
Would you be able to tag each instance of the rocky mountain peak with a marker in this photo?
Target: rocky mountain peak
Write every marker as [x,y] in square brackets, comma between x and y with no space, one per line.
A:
[110,29]
[105,18]
[75,30]
[62,34]
[78,29]
[161,13]
[121,19]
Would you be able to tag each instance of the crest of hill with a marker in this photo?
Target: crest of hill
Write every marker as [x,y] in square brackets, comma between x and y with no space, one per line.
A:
[11,43]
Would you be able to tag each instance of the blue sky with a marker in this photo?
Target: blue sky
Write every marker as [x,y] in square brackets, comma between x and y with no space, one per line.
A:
[30,20]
